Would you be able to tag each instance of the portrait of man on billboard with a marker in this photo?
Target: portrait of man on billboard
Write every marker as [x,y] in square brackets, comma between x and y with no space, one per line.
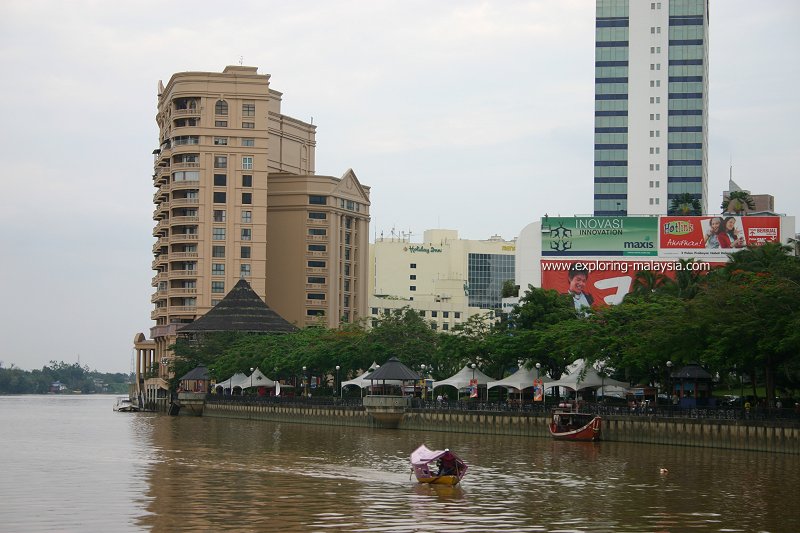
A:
[578,278]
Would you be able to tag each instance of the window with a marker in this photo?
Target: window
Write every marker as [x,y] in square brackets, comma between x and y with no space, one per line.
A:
[247,233]
[219,198]
[316,279]
[317,231]
[248,110]
[220,141]
[347,254]
[347,269]
[220,123]
[248,125]
[247,198]
[658,184]
[316,248]
[434,314]
[316,264]
[316,215]
[413,288]
[315,296]
[346,302]
[219,215]
[315,312]
[245,252]
[412,277]
[247,180]
[248,142]
[218,234]
[220,161]
[445,326]
[247,217]
[221,107]
[218,286]
[318,200]
[422,313]
[217,251]
[374,310]
[412,265]
[247,162]
[445,314]
[217,269]
[215,301]
[244,270]
[220,180]
[457,314]
[434,325]
[651,184]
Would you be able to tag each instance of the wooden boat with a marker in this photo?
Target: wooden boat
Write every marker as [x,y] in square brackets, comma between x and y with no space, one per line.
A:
[440,467]
[568,424]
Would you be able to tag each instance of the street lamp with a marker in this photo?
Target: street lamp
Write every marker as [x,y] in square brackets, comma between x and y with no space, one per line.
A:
[473,379]
[336,384]
[251,379]
[669,381]
[305,383]
[541,383]
[519,364]
[422,368]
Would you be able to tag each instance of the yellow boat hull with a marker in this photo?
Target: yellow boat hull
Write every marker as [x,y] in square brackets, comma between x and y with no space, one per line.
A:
[440,480]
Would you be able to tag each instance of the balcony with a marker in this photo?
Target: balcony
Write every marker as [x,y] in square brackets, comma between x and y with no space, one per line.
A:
[183,309]
[184,165]
[162,225]
[183,237]
[316,255]
[163,191]
[317,303]
[159,261]
[175,274]
[183,255]
[161,276]
[158,312]
[184,220]
[316,222]
[177,292]
[160,243]
[318,238]
[313,270]
[159,295]
[161,210]
[316,287]
[177,202]
[185,184]
[190,112]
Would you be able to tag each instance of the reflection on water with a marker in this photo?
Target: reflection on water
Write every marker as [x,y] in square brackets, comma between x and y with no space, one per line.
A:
[86,468]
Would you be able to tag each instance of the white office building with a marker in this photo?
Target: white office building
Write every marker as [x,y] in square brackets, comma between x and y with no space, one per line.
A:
[651,105]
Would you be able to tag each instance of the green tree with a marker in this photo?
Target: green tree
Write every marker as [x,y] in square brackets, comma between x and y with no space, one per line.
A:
[685,204]
[737,201]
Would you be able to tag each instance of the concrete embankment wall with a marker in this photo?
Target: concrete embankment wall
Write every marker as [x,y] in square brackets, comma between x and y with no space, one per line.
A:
[725,434]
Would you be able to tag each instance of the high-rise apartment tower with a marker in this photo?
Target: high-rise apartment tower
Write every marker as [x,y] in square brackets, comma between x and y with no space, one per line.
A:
[651,105]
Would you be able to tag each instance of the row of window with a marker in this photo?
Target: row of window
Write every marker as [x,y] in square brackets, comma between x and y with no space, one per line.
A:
[221,180]
[220,197]
[218,234]
[221,161]
[223,141]
[248,108]
[218,269]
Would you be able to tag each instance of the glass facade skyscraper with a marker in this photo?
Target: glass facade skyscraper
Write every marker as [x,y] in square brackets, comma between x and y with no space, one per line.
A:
[486,275]
[651,105]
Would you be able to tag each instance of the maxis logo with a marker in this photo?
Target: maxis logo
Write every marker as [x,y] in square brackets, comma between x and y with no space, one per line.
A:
[678,227]
[638,245]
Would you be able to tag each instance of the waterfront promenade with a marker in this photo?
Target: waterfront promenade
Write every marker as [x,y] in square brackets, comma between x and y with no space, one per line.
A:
[776,430]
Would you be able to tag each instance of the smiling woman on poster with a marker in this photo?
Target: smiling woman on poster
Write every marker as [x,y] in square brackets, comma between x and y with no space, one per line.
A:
[730,236]
[712,234]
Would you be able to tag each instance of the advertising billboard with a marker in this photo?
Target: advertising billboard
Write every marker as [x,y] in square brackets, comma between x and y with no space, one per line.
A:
[594,281]
[599,236]
[711,238]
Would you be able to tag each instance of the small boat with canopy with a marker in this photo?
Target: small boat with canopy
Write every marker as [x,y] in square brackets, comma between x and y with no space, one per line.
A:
[439,467]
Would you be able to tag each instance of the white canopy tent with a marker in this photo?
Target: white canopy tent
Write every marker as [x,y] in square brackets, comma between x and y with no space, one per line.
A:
[258,379]
[521,379]
[460,380]
[360,381]
[579,377]
[237,380]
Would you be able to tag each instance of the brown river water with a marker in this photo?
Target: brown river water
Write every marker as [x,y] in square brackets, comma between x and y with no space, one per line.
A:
[69,463]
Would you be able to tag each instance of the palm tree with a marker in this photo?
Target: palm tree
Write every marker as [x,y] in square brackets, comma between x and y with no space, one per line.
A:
[761,258]
[737,200]
[685,204]
[646,282]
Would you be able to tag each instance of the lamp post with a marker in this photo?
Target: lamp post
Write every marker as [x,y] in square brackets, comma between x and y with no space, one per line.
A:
[519,365]
[251,379]
[305,383]
[422,371]
[473,379]
[669,383]
[541,383]
[336,383]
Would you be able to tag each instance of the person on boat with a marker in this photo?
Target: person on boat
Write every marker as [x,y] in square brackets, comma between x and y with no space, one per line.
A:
[447,464]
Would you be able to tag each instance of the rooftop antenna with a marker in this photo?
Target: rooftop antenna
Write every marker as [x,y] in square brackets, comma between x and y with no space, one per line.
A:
[241,60]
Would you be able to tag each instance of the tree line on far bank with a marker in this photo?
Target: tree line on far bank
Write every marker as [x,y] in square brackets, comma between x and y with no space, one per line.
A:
[741,322]
[71,377]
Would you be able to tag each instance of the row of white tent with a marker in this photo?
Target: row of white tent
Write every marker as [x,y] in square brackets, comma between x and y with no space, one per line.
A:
[256,379]
[578,376]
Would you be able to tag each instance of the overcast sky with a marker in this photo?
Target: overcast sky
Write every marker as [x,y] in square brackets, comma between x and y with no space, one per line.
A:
[466,115]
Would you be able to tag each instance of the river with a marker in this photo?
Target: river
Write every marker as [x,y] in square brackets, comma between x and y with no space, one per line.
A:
[69,464]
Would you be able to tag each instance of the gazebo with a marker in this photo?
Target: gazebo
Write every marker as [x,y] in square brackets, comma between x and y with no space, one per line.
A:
[196,380]
[692,385]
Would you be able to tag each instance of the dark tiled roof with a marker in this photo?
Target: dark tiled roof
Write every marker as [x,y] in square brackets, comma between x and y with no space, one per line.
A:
[393,369]
[692,371]
[197,373]
[240,310]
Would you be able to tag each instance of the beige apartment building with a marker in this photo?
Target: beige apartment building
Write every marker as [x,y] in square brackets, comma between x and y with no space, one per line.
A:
[222,137]
[445,278]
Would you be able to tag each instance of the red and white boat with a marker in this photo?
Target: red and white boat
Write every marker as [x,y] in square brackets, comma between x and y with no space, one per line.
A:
[569,424]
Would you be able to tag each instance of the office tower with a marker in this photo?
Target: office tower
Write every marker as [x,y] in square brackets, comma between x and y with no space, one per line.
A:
[651,105]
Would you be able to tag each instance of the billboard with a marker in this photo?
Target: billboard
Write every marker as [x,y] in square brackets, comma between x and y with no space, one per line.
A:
[594,281]
[711,238]
[599,236]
